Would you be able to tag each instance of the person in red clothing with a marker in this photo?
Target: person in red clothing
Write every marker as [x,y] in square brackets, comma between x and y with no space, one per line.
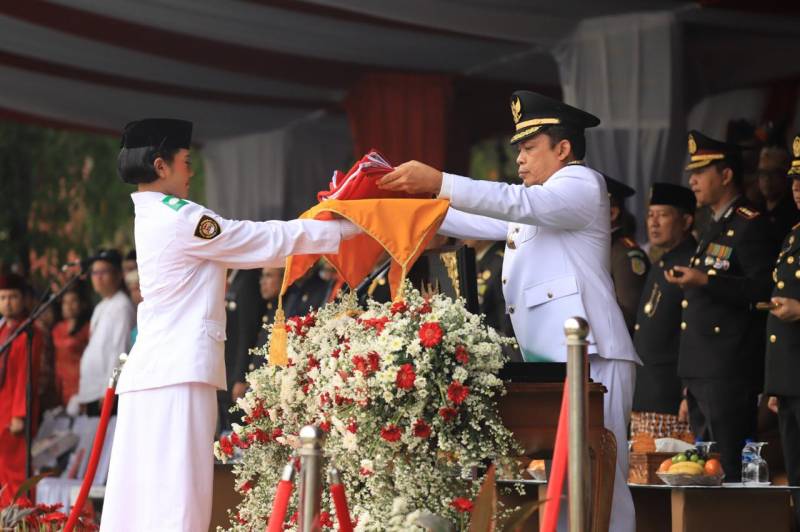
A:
[70,336]
[13,373]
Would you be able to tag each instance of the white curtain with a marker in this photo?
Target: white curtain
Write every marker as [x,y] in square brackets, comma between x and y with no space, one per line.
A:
[275,175]
[627,70]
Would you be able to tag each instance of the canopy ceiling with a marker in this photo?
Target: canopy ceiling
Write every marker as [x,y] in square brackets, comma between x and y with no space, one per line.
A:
[236,67]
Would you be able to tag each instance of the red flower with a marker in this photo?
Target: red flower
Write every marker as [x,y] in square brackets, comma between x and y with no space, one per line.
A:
[276,432]
[238,442]
[365,472]
[448,414]
[421,429]
[336,353]
[360,363]
[241,520]
[398,307]
[461,504]
[226,446]
[258,411]
[312,362]
[54,517]
[457,392]
[374,361]
[391,432]
[425,308]
[325,519]
[247,486]
[325,426]
[352,427]
[258,435]
[430,334]
[376,323]
[405,377]
[462,355]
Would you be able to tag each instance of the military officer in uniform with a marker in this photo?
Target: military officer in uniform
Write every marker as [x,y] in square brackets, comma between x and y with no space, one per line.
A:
[489,267]
[658,321]
[721,358]
[242,316]
[161,471]
[269,286]
[780,211]
[782,373]
[558,248]
[629,264]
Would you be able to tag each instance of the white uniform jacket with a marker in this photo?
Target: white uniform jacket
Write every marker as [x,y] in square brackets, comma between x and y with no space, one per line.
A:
[183,251]
[557,257]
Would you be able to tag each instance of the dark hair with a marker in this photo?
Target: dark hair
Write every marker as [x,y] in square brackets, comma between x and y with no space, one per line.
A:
[735,164]
[81,292]
[575,137]
[135,165]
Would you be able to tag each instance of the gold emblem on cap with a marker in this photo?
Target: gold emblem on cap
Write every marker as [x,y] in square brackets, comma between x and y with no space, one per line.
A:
[692,145]
[516,109]
[796,146]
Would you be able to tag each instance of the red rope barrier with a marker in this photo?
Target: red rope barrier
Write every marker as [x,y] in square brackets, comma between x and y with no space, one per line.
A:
[282,495]
[555,484]
[94,459]
[340,502]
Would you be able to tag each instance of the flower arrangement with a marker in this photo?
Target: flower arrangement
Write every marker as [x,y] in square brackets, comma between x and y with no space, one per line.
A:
[23,515]
[406,394]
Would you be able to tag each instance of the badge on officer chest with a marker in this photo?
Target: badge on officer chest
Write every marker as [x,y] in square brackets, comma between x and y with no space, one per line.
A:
[207,228]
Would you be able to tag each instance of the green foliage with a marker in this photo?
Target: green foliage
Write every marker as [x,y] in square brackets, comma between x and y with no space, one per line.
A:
[494,160]
[60,193]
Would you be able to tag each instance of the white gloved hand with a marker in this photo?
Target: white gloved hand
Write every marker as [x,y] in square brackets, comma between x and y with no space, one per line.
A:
[348,229]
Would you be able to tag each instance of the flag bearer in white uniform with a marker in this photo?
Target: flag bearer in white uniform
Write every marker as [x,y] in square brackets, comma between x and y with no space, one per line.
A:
[557,257]
[161,471]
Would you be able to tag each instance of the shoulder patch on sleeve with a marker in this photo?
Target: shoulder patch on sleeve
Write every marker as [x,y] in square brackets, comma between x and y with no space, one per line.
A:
[174,203]
[207,228]
[746,213]
[638,265]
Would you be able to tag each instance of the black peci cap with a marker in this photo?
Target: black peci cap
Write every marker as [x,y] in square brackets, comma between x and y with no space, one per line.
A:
[673,195]
[532,112]
[157,133]
[111,256]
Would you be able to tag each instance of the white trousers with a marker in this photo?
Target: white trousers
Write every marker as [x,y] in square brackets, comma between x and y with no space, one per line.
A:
[619,377]
[161,474]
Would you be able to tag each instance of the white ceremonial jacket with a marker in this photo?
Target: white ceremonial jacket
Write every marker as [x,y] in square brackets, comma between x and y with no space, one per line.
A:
[557,256]
[183,251]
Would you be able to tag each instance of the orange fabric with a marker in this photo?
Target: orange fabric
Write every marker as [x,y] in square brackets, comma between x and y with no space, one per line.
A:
[401,227]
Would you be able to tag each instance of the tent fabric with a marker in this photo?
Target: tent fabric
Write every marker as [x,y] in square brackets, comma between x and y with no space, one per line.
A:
[618,69]
[273,175]
[241,70]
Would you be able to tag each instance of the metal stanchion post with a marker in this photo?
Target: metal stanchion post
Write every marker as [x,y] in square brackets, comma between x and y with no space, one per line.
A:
[310,478]
[576,330]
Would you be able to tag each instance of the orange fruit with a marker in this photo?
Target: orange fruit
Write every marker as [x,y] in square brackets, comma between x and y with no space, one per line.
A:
[713,467]
[665,465]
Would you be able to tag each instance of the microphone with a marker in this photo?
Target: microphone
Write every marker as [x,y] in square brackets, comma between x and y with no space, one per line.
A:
[82,263]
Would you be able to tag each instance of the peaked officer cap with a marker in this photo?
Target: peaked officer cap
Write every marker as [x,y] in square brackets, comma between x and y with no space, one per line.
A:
[532,112]
[704,150]
[617,189]
[794,170]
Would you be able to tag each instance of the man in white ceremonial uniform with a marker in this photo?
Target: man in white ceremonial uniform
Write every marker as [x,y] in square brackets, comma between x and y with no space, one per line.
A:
[557,257]
[161,471]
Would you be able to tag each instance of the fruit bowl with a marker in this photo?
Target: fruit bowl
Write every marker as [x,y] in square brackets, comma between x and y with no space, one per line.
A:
[682,479]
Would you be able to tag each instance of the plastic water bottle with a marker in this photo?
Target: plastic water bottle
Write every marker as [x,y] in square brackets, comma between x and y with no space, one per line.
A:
[749,463]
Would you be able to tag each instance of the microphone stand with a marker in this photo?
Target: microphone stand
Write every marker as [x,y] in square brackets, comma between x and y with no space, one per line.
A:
[27,327]
[361,289]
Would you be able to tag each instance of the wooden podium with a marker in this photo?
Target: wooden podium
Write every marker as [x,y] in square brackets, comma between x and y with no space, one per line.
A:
[531,409]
